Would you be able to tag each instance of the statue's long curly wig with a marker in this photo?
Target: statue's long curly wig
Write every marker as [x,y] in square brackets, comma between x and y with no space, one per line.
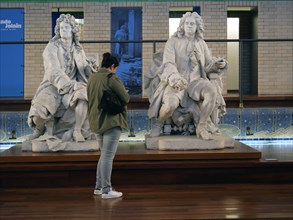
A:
[199,25]
[74,25]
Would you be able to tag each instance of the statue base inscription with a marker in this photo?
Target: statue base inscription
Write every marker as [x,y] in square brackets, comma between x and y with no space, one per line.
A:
[179,142]
[53,144]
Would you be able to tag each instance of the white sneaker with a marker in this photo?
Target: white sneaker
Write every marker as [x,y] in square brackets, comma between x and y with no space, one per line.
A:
[111,195]
[97,192]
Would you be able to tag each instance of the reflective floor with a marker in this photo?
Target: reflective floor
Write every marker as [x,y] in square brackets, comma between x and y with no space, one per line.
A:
[155,202]
[273,150]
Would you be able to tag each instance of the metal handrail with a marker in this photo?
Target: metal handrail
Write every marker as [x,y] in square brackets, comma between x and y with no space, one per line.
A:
[154,42]
[150,41]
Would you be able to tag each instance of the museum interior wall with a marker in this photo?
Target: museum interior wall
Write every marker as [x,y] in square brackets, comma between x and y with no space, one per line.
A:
[274,21]
[267,67]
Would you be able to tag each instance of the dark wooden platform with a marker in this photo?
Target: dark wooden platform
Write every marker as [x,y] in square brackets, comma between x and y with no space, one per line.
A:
[134,164]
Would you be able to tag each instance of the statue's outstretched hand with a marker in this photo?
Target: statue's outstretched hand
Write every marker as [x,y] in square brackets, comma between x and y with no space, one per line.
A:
[180,85]
[92,64]
[221,63]
[177,82]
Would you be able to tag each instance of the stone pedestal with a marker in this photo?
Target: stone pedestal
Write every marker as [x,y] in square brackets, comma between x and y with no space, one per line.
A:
[69,146]
[179,142]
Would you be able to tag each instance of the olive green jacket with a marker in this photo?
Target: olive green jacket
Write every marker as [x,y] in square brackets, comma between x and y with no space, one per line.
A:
[99,120]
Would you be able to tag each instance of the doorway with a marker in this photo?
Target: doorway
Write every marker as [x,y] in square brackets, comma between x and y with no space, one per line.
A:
[242,22]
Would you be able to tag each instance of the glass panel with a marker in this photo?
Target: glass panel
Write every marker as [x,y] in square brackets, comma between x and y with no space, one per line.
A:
[126,24]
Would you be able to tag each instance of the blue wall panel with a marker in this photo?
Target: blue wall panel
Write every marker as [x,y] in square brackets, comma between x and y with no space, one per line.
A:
[11,55]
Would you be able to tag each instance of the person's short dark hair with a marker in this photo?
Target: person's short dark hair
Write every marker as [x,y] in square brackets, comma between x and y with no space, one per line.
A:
[109,60]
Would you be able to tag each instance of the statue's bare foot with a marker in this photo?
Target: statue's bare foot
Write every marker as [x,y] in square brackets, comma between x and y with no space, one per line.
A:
[156,130]
[37,133]
[77,136]
[213,129]
[203,134]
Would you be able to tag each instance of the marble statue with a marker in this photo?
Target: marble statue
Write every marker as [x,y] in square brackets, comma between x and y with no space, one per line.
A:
[60,106]
[184,84]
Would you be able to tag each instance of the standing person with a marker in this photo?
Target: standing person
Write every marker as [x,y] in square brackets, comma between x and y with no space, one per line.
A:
[107,127]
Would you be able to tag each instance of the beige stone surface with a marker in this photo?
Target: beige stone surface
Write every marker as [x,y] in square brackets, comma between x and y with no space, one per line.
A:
[69,146]
[179,142]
